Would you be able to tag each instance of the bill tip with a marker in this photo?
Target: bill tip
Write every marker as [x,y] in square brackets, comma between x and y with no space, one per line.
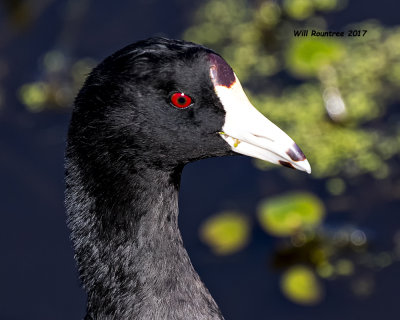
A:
[306,166]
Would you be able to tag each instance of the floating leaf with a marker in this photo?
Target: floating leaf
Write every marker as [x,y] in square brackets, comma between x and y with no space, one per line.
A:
[287,214]
[307,56]
[299,9]
[325,270]
[226,232]
[35,95]
[300,285]
[269,13]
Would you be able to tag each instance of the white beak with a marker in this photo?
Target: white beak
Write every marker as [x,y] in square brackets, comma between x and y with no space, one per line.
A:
[248,132]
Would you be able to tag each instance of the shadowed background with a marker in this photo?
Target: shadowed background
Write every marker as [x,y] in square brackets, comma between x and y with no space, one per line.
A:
[268,242]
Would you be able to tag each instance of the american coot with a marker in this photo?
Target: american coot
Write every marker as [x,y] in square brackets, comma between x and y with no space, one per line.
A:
[142,114]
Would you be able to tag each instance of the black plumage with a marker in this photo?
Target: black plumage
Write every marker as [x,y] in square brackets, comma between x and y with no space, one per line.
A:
[127,146]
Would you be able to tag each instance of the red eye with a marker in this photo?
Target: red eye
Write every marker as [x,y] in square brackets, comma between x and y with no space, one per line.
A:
[181,100]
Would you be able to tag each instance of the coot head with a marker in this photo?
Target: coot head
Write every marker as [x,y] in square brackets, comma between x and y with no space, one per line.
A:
[161,103]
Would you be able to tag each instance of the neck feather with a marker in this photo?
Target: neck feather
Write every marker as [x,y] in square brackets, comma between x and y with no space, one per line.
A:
[129,249]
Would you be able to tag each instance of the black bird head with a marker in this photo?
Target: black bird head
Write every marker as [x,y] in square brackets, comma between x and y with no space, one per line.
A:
[162,103]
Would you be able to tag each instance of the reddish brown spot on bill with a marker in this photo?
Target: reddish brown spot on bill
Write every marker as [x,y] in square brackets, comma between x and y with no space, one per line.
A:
[221,73]
[295,153]
[286,164]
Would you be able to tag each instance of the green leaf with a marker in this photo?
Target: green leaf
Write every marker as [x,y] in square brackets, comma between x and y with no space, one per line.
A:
[300,285]
[298,9]
[226,232]
[308,56]
[287,214]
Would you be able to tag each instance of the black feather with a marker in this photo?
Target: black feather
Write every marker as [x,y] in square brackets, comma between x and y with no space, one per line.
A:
[127,146]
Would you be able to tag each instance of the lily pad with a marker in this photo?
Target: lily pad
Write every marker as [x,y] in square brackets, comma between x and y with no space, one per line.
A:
[300,285]
[285,215]
[226,232]
[308,56]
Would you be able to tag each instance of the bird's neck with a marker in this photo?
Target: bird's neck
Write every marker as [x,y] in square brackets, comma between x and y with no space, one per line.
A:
[129,249]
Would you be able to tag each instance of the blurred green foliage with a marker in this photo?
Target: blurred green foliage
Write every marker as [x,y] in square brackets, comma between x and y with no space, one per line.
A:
[308,251]
[287,214]
[332,95]
[300,285]
[343,88]
[60,80]
[226,232]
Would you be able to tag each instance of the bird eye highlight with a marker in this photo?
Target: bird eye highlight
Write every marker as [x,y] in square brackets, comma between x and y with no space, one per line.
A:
[181,100]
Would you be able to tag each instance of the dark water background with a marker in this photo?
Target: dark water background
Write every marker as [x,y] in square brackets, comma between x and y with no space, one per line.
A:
[38,278]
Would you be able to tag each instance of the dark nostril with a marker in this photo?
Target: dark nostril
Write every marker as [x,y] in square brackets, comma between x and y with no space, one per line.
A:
[295,153]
